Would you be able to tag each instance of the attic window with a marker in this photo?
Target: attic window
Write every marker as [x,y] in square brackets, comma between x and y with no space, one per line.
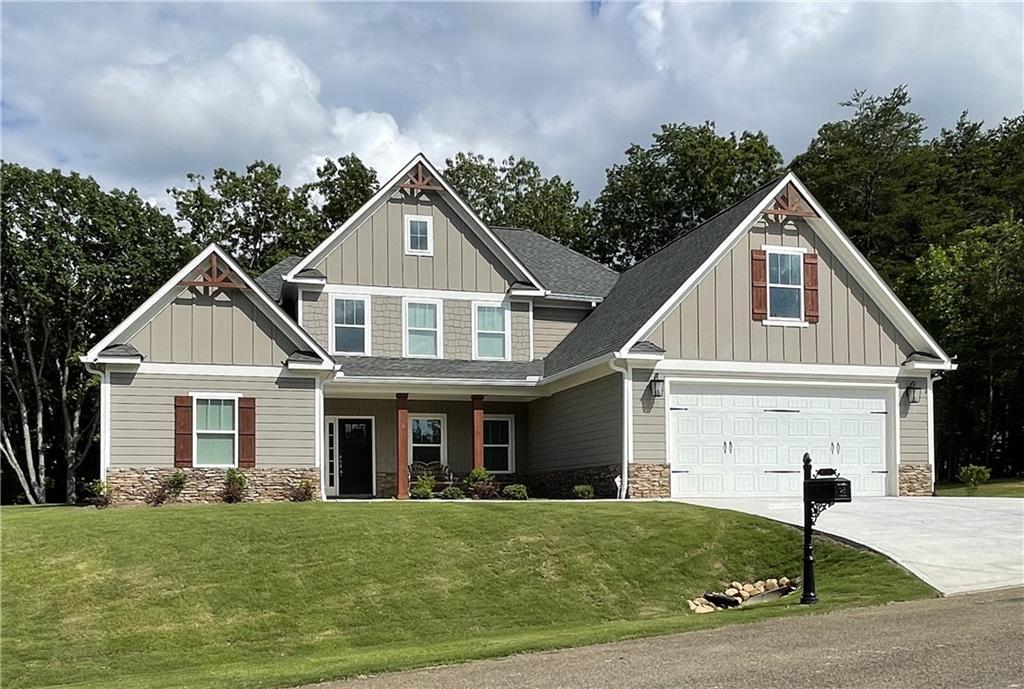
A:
[419,235]
[785,285]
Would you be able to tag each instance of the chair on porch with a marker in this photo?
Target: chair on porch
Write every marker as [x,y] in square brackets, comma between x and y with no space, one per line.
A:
[443,476]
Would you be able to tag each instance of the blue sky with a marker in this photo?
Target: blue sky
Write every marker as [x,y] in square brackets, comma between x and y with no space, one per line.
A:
[138,95]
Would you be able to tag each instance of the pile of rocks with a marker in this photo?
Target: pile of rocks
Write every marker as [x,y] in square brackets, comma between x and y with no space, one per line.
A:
[738,594]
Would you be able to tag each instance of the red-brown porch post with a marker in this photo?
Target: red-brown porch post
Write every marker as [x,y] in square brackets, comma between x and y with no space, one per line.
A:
[402,406]
[478,431]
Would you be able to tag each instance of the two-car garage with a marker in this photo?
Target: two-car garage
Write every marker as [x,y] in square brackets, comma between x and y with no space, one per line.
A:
[735,440]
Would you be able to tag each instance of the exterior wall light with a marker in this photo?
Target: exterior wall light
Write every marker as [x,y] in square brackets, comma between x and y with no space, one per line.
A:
[657,386]
[913,393]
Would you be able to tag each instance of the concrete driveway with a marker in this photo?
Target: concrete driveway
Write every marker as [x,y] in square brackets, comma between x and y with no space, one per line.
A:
[957,545]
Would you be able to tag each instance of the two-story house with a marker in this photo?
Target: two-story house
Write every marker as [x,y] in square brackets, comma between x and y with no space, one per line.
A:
[417,335]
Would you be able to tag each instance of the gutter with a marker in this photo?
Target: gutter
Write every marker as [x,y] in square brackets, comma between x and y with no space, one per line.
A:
[627,423]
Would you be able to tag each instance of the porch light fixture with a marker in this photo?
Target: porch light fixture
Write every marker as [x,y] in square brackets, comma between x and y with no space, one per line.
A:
[657,386]
[913,394]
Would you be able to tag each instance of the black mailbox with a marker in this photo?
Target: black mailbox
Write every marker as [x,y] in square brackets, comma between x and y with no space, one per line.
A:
[827,489]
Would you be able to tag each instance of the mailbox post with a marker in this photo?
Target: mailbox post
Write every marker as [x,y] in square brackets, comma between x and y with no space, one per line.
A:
[821,491]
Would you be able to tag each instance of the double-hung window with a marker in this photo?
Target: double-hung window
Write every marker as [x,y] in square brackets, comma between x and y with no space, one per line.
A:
[499,444]
[785,285]
[490,331]
[351,319]
[419,235]
[426,438]
[215,430]
[422,328]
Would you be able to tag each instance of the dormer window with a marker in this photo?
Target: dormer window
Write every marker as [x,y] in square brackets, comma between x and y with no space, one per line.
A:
[419,235]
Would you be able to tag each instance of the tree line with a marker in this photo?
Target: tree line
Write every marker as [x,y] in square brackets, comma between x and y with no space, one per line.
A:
[940,218]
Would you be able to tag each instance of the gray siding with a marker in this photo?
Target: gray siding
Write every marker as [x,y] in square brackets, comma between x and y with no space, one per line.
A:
[223,328]
[648,421]
[578,427]
[142,417]
[314,317]
[519,331]
[913,425]
[374,253]
[714,322]
[551,325]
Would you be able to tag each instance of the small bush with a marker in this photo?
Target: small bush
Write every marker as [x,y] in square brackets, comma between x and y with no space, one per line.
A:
[99,494]
[170,488]
[477,475]
[515,491]
[973,476]
[304,491]
[484,490]
[452,493]
[234,486]
[423,489]
[583,491]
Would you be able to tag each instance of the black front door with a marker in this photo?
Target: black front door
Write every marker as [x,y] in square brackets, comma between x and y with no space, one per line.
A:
[355,452]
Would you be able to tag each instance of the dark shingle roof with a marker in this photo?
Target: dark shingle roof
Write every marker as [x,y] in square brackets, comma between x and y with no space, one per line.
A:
[302,356]
[559,269]
[123,350]
[373,366]
[645,347]
[641,290]
[270,280]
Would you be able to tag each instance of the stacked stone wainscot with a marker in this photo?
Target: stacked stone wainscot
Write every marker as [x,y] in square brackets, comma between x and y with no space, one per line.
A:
[648,480]
[137,485]
[916,480]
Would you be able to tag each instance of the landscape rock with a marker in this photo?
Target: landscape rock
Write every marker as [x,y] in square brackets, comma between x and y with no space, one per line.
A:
[732,591]
[736,585]
[693,606]
[704,609]
[783,581]
[749,588]
[771,584]
[744,595]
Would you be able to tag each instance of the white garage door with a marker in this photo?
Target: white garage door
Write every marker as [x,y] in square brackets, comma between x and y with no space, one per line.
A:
[733,441]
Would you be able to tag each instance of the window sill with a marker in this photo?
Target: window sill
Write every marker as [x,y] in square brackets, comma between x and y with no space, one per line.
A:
[785,323]
[410,252]
[351,354]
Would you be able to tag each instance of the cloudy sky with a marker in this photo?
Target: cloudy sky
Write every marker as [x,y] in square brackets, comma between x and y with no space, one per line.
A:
[137,95]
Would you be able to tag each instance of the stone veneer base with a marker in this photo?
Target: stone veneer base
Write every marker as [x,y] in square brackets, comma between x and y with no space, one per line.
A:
[916,480]
[650,480]
[263,484]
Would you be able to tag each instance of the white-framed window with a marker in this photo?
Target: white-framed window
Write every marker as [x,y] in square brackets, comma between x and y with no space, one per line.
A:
[422,328]
[428,440]
[419,235]
[499,443]
[785,284]
[350,324]
[490,330]
[215,429]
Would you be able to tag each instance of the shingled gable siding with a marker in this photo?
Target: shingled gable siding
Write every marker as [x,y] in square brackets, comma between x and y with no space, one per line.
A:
[551,325]
[142,417]
[223,328]
[714,321]
[577,427]
[374,254]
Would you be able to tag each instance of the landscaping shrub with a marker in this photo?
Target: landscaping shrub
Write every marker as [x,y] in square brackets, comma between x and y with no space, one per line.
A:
[452,493]
[514,491]
[481,485]
[477,475]
[973,475]
[423,489]
[305,491]
[170,488]
[583,491]
[99,494]
[234,486]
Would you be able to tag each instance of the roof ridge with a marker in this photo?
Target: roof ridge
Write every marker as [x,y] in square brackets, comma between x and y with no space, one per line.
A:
[552,241]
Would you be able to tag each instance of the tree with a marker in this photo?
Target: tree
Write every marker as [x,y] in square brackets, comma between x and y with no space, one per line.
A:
[688,174]
[514,193]
[341,187]
[76,260]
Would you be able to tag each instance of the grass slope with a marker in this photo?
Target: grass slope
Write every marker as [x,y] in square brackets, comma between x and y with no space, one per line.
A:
[996,488]
[278,595]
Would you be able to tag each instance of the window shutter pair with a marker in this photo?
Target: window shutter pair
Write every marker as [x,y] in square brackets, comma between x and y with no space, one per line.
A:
[759,285]
[183,432]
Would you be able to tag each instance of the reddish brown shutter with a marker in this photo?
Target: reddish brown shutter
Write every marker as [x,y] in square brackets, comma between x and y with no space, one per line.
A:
[759,284]
[246,432]
[182,431]
[811,287]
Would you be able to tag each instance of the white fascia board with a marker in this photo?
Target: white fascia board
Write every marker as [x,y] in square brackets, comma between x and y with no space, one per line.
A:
[477,382]
[930,366]
[302,366]
[307,281]
[217,370]
[774,370]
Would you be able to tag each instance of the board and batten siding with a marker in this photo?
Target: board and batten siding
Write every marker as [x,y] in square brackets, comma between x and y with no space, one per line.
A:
[648,420]
[374,253]
[223,328]
[142,417]
[551,324]
[913,425]
[713,321]
[577,427]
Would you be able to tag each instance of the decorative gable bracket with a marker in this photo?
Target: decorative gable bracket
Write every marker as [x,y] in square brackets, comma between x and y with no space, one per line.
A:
[214,278]
[420,179]
[790,203]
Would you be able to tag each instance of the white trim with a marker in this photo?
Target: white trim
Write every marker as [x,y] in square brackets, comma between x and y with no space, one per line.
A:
[383,193]
[337,288]
[298,307]
[929,366]
[779,249]
[215,370]
[529,382]
[196,396]
[506,314]
[104,424]
[789,323]
[782,320]
[155,303]
[439,305]
[931,427]
[444,435]
[532,355]
[511,418]
[407,221]
[366,300]
[893,487]
[777,369]
[308,281]
[318,423]
[627,426]
[373,451]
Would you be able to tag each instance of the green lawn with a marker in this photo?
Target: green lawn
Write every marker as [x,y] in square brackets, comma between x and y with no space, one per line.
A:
[278,595]
[996,488]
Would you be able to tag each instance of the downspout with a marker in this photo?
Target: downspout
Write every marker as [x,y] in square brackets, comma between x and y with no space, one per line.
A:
[627,424]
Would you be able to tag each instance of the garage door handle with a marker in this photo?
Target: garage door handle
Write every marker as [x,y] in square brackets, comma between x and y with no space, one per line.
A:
[879,472]
[680,471]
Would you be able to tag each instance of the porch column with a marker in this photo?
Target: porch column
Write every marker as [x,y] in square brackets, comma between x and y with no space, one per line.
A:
[478,431]
[402,407]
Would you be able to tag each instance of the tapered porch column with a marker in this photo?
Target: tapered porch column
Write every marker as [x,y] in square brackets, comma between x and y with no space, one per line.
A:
[478,431]
[402,408]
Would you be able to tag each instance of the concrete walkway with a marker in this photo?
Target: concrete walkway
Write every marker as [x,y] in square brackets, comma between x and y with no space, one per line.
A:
[957,545]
